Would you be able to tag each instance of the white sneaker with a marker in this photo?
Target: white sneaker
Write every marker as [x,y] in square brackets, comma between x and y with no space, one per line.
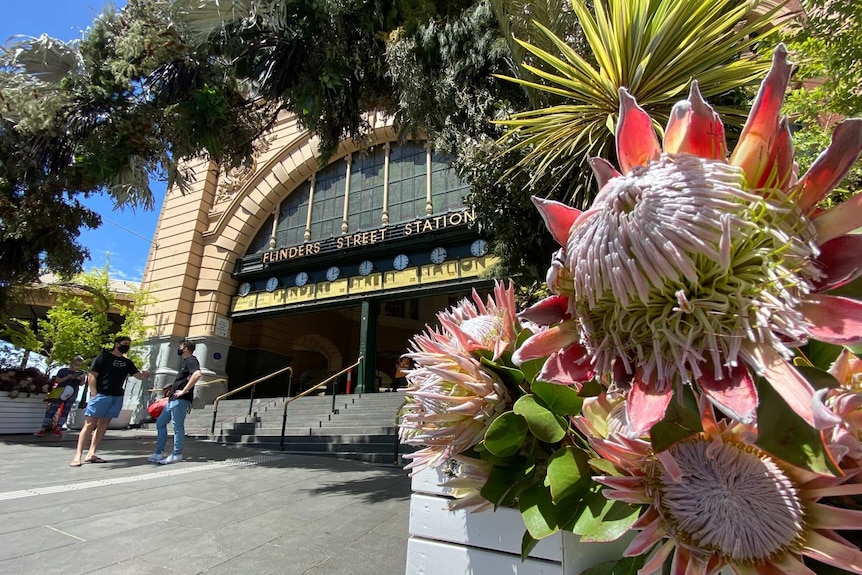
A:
[171,459]
[156,457]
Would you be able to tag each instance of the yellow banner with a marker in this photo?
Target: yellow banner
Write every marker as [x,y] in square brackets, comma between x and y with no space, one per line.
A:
[299,294]
[244,303]
[404,278]
[337,288]
[474,267]
[265,299]
[444,272]
[363,284]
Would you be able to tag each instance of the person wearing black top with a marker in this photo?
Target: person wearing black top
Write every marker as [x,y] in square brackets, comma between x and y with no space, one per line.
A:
[69,379]
[106,380]
[181,393]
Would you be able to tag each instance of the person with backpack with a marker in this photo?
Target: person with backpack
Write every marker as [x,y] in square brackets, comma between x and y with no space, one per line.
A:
[67,382]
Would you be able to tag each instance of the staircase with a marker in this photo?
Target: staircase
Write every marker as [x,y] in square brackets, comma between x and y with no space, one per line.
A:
[363,427]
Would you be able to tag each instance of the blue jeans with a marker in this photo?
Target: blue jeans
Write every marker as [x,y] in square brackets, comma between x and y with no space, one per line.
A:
[175,412]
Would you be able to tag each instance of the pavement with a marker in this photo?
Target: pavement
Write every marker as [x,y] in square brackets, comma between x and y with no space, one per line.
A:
[222,510]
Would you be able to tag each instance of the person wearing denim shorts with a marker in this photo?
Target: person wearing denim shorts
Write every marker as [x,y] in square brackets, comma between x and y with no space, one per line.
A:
[181,393]
[106,380]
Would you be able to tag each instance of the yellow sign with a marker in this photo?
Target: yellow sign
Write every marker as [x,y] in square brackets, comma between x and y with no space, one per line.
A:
[299,294]
[265,299]
[363,284]
[245,303]
[402,279]
[337,288]
[474,267]
[444,272]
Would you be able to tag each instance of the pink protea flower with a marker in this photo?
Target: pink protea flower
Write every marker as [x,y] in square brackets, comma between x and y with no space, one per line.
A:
[713,500]
[693,269]
[842,408]
[451,397]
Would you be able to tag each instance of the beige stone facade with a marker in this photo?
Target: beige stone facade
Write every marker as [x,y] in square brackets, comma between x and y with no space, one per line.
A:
[223,275]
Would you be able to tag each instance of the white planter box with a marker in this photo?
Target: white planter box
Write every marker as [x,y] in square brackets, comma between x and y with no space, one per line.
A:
[446,542]
[22,414]
[122,421]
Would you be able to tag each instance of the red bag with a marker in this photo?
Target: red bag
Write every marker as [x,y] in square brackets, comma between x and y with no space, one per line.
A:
[157,407]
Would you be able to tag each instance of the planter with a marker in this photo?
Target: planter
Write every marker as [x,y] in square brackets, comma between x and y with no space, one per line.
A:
[22,414]
[446,542]
[122,421]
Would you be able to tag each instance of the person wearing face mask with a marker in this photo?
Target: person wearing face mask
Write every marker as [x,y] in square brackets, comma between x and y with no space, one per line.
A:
[106,381]
[180,395]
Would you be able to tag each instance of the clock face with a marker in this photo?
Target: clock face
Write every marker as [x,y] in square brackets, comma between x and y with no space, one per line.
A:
[401,261]
[479,248]
[366,267]
[244,289]
[333,273]
[438,255]
[271,284]
[301,279]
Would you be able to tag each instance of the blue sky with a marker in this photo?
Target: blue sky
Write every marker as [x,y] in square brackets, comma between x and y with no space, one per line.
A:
[125,236]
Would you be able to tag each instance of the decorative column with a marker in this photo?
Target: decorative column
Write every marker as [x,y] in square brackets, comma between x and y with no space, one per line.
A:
[349,160]
[386,149]
[311,184]
[429,207]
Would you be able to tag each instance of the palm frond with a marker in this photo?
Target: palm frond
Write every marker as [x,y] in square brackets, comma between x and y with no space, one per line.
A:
[44,58]
[654,48]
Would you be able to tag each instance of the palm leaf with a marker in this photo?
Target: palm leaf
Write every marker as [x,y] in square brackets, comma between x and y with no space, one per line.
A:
[654,48]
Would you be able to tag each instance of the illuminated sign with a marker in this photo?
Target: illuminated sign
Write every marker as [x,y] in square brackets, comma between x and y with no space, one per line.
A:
[372,237]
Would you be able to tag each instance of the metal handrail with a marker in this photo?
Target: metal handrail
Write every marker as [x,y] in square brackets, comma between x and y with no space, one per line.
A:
[323,383]
[246,386]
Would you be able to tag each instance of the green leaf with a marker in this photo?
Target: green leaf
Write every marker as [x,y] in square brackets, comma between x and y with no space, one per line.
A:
[506,434]
[561,399]
[681,420]
[531,368]
[538,511]
[624,566]
[528,543]
[591,388]
[821,354]
[542,422]
[504,484]
[818,378]
[568,472]
[604,519]
[787,436]
[510,376]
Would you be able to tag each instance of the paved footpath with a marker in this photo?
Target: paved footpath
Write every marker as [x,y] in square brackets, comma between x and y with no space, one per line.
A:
[223,510]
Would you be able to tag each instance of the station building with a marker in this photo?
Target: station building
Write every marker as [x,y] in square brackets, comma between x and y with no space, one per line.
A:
[313,266]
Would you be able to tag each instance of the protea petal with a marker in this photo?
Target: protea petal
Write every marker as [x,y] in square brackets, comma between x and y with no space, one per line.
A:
[784,378]
[735,394]
[839,220]
[845,366]
[570,366]
[646,404]
[637,143]
[762,125]
[834,319]
[603,171]
[832,165]
[695,128]
[546,342]
[832,552]
[831,517]
[548,311]
[840,261]
[558,217]
[777,171]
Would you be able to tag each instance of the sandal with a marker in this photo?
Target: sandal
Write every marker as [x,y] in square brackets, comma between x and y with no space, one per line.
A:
[75,464]
[95,459]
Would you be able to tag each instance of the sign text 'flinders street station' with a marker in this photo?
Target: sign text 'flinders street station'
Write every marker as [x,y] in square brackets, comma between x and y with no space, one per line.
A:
[372,237]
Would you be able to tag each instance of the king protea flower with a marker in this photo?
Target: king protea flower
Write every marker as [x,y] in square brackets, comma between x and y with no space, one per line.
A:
[842,407]
[692,268]
[451,397]
[714,501]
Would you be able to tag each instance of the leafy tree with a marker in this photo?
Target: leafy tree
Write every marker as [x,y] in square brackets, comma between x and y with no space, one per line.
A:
[80,324]
[827,51]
